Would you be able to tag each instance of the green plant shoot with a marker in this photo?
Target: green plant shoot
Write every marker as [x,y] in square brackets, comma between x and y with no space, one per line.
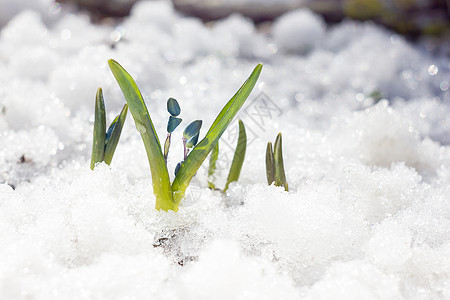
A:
[98,144]
[238,158]
[104,144]
[274,164]
[280,177]
[169,196]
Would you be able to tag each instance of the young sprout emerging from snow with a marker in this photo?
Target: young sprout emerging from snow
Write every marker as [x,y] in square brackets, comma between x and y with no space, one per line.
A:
[104,144]
[274,164]
[236,165]
[168,195]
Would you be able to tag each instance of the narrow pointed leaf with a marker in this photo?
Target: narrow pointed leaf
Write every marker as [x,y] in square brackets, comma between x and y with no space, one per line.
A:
[113,135]
[212,166]
[270,164]
[98,144]
[172,124]
[238,158]
[280,177]
[144,124]
[204,147]
[173,107]
[192,129]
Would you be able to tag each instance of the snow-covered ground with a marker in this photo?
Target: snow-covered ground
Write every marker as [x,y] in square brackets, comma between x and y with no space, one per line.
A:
[365,117]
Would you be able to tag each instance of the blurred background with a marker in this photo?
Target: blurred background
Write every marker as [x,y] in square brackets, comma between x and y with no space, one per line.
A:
[412,18]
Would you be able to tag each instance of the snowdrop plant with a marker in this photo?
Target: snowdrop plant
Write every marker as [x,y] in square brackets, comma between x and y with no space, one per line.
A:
[236,164]
[168,195]
[274,164]
[105,142]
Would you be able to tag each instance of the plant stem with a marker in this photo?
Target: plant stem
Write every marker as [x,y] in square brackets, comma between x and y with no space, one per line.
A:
[186,150]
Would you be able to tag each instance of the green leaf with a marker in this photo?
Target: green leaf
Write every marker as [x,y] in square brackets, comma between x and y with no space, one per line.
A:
[172,124]
[173,107]
[238,158]
[144,124]
[270,164]
[192,129]
[212,166]
[196,157]
[98,145]
[113,134]
[280,177]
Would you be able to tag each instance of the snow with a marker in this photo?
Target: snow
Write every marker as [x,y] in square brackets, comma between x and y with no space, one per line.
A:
[365,122]
[298,31]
